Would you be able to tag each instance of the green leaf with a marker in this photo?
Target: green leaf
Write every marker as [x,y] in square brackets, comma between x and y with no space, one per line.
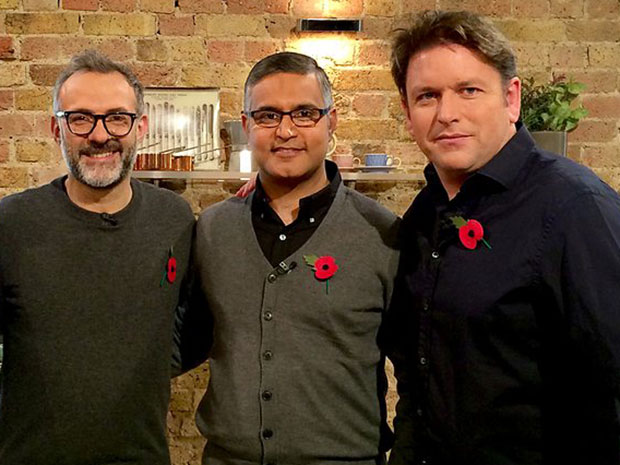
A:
[458,221]
[310,259]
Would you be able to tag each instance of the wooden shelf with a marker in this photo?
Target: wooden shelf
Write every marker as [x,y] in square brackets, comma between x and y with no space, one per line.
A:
[214,175]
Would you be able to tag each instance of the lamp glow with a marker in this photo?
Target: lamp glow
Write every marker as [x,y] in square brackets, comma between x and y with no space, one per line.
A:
[245,161]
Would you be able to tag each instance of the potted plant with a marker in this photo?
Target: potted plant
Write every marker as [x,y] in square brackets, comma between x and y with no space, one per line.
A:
[549,112]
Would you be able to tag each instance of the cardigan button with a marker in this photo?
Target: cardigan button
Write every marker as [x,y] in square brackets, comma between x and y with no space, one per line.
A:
[266,395]
[272,277]
[267,316]
[267,355]
[267,434]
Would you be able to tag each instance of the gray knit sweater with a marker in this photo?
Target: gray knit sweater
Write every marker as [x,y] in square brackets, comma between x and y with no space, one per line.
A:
[295,363]
[87,323]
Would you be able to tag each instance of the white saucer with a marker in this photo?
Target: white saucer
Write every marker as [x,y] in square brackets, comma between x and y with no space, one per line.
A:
[376,169]
[347,168]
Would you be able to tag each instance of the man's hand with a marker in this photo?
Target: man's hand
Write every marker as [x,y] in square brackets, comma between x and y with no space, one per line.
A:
[247,188]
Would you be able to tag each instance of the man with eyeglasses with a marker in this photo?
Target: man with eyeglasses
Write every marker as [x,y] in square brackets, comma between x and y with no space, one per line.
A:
[91,271]
[297,277]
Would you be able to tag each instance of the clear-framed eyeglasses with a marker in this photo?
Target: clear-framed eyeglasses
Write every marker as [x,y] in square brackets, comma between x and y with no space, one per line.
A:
[302,117]
[80,123]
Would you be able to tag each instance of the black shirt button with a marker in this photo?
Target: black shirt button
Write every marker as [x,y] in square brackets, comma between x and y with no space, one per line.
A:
[267,355]
[267,434]
[418,412]
[266,395]
[423,361]
[267,315]
[425,306]
[435,254]
[272,278]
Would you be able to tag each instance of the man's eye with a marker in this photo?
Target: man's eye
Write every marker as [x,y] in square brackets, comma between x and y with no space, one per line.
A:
[471,91]
[116,118]
[80,118]
[304,113]
[426,96]
[270,115]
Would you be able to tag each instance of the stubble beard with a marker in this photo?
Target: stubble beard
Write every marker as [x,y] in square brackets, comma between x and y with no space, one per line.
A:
[99,177]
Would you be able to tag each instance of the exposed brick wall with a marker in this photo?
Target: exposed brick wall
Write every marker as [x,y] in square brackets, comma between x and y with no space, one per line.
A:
[215,42]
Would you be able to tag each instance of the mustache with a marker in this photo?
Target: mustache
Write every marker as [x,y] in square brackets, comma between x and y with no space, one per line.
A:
[94,148]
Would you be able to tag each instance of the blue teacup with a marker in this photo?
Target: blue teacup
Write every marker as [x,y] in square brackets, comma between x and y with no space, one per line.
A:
[379,159]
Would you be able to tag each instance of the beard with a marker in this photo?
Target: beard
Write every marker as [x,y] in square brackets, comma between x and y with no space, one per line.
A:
[99,175]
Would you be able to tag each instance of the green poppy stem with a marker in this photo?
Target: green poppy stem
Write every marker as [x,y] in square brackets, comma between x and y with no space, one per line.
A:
[327,286]
[486,243]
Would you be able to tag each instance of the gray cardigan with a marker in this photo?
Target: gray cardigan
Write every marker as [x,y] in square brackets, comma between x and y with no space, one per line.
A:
[295,365]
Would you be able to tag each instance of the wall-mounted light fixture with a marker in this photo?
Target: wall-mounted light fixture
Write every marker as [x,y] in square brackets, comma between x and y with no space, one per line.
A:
[329,25]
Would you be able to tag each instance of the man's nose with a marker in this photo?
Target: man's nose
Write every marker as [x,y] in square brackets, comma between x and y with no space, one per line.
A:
[99,133]
[448,108]
[287,128]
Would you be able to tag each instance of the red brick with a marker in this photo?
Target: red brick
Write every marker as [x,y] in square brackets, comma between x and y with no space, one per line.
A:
[13,177]
[280,26]
[484,7]
[568,56]
[602,106]
[86,5]
[530,9]
[156,75]
[6,100]
[122,6]
[334,8]
[173,25]
[369,104]
[255,50]
[567,8]
[62,47]
[594,31]
[224,51]
[201,6]
[374,54]
[45,75]
[257,6]
[413,6]
[375,129]
[4,150]
[601,155]
[7,48]
[42,23]
[597,80]
[17,124]
[594,131]
[603,8]
[120,49]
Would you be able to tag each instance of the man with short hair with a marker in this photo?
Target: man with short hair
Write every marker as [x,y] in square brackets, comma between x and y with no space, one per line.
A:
[505,329]
[297,277]
[91,271]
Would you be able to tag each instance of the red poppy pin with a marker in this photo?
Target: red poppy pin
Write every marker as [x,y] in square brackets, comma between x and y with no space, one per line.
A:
[170,274]
[470,232]
[324,267]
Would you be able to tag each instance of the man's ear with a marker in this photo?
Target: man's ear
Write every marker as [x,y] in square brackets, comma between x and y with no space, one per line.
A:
[245,121]
[513,99]
[55,128]
[332,120]
[142,127]
[405,108]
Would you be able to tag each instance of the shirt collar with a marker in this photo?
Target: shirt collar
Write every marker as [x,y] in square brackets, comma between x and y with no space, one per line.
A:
[307,205]
[501,171]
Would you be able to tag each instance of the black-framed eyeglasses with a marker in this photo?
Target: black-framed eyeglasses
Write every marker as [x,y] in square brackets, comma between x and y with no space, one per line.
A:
[80,123]
[302,117]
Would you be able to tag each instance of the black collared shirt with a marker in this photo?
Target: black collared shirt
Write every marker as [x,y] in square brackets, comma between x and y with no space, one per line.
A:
[510,354]
[278,240]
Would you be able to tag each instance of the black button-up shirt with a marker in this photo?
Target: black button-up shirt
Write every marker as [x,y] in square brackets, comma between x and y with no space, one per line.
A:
[510,354]
[278,240]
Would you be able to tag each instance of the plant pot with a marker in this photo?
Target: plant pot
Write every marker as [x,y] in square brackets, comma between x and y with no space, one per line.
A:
[552,141]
